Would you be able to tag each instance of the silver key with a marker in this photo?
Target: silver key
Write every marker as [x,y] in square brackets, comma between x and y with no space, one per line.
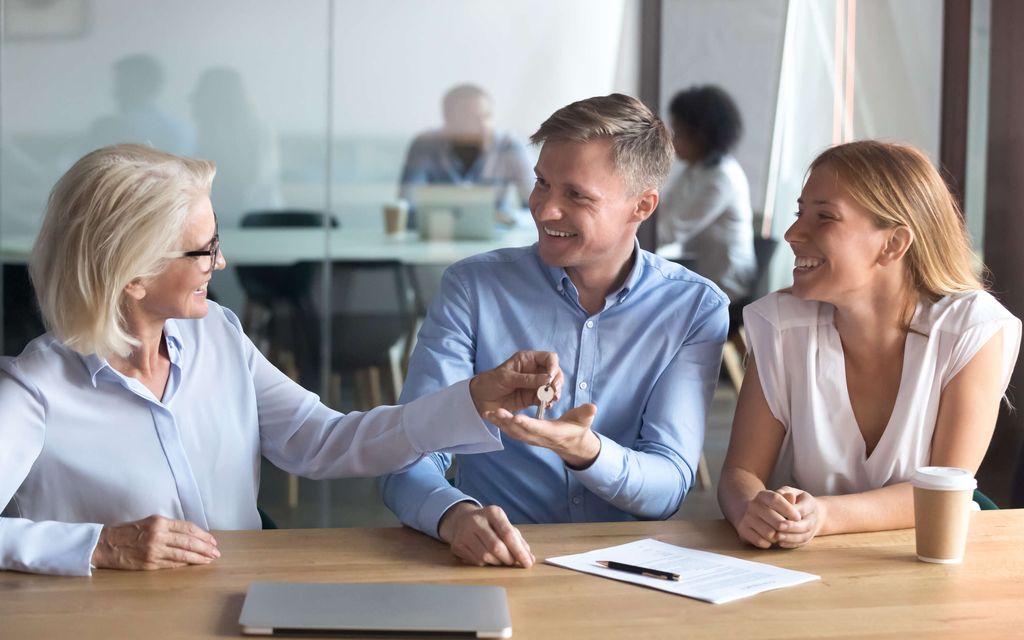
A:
[544,395]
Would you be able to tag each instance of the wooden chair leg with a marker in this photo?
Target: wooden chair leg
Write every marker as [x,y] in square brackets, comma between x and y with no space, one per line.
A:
[334,391]
[359,388]
[374,387]
[733,353]
[293,491]
[395,371]
[703,474]
[733,365]
[288,364]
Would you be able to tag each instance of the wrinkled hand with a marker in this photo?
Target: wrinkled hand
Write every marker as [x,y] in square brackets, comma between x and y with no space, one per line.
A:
[569,436]
[153,543]
[513,384]
[796,532]
[765,513]
[483,535]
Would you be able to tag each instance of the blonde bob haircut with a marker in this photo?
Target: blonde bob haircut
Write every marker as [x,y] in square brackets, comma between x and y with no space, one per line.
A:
[898,185]
[112,219]
[641,145]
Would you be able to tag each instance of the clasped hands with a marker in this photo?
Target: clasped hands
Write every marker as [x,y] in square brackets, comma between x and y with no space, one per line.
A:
[787,517]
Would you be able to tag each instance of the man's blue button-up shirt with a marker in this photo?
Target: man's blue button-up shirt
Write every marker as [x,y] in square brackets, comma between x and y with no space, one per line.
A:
[649,360]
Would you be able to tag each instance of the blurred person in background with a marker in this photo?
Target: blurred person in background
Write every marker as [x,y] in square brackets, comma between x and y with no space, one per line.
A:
[705,217]
[467,149]
[138,81]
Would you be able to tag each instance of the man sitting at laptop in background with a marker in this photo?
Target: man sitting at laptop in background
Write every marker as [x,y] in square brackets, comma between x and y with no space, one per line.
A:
[637,336]
[467,150]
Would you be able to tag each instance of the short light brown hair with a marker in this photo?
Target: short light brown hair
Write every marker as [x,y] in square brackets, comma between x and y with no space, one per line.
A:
[114,217]
[641,145]
[898,185]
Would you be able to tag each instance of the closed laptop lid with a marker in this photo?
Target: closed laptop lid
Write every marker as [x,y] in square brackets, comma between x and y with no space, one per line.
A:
[294,608]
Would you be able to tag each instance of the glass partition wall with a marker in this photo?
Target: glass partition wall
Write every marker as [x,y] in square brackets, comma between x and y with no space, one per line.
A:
[309,111]
[807,74]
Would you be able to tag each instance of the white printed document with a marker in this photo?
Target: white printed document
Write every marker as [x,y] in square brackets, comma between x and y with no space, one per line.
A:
[705,576]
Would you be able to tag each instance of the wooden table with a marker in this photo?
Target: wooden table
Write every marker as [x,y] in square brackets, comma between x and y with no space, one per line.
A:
[872,586]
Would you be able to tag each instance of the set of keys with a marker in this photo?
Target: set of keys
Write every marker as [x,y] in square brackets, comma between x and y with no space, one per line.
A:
[544,394]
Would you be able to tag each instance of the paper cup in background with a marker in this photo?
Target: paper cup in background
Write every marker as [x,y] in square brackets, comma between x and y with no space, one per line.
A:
[396,217]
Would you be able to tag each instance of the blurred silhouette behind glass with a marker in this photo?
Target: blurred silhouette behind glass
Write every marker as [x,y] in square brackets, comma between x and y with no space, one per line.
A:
[244,148]
[138,80]
[467,149]
[705,216]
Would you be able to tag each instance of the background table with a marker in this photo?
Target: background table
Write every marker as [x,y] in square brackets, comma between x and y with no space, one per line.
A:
[288,245]
[872,586]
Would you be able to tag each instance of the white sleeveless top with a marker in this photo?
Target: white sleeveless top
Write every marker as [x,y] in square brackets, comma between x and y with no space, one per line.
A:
[803,374]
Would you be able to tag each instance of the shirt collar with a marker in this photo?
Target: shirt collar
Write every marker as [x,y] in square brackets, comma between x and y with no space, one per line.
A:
[95,363]
[560,280]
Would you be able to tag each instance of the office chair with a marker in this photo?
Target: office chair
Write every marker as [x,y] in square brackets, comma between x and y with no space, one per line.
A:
[279,315]
[984,502]
[21,318]
[735,349]
[364,334]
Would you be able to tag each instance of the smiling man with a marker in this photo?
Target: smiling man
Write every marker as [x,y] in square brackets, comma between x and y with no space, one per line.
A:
[639,340]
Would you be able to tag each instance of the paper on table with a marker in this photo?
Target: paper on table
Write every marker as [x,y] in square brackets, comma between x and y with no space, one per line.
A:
[705,576]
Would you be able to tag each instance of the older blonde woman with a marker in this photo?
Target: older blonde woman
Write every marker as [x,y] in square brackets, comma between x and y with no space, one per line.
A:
[136,425]
[886,355]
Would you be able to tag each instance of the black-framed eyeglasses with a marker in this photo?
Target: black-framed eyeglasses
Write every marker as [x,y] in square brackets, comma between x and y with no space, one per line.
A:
[212,253]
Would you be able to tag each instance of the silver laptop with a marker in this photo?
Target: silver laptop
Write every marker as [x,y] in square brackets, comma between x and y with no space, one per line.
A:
[456,212]
[388,609]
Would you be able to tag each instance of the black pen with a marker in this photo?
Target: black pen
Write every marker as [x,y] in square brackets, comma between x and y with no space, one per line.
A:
[643,571]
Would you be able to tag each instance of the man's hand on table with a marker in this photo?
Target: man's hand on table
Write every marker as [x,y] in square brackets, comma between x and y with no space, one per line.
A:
[484,536]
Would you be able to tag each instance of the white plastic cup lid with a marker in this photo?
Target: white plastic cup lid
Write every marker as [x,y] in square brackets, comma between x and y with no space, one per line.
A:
[944,479]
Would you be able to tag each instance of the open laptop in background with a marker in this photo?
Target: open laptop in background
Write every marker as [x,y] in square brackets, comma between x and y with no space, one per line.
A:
[456,212]
[375,609]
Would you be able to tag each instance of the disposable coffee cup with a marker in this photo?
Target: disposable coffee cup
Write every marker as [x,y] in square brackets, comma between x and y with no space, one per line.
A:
[942,507]
[396,217]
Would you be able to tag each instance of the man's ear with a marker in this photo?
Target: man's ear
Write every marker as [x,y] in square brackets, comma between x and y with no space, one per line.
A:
[896,246]
[135,290]
[645,205]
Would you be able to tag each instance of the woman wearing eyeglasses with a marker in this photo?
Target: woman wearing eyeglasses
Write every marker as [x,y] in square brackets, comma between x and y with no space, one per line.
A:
[136,424]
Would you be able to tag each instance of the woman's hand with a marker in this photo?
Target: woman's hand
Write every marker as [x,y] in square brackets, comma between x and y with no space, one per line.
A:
[513,384]
[153,543]
[761,524]
[796,532]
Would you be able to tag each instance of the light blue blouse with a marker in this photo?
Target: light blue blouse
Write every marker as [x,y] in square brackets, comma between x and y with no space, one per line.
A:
[82,445]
